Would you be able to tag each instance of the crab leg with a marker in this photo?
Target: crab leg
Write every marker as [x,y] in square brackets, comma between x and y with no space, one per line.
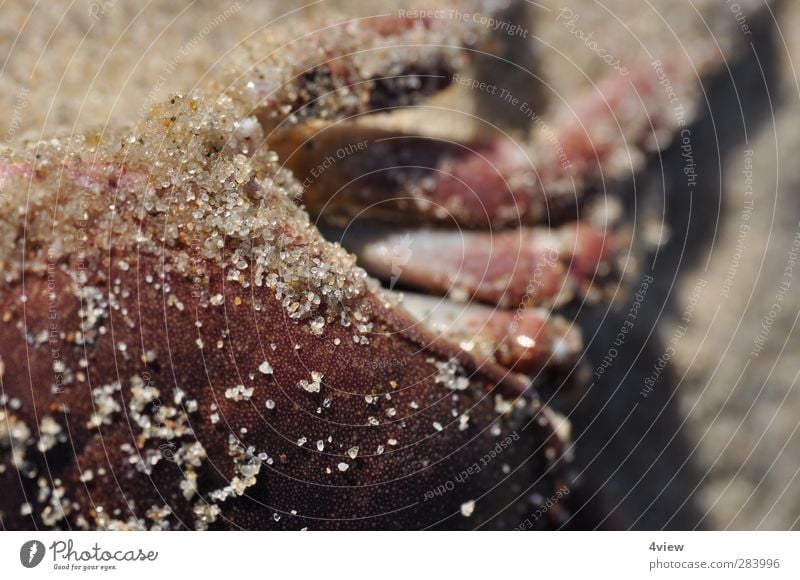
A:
[525,341]
[526,267]
[492,182]
[382,174]
[576,149]
[343,69]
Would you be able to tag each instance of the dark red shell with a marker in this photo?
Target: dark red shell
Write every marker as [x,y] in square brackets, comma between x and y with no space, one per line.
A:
[422,481]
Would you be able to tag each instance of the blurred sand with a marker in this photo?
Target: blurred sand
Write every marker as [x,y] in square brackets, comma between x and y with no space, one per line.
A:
[745,410]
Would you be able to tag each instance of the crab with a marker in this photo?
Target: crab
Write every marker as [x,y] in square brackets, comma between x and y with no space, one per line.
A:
[271,305]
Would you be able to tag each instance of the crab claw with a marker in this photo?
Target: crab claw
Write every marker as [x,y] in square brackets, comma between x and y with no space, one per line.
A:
[182,349]
[350,170]
[381,174]
[343,68]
